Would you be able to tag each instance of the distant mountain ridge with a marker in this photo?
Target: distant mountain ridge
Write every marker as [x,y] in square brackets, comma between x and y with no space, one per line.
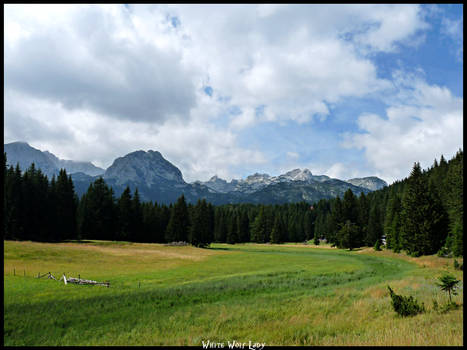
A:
[24,154]
[159,180]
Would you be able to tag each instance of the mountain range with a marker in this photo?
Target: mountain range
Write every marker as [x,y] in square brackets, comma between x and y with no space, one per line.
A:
[159,180]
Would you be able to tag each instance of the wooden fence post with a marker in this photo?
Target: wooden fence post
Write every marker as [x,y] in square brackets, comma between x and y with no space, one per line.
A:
[24,272]
[14,272]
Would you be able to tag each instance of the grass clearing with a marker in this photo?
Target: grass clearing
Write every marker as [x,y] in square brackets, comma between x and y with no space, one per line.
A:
[274,294]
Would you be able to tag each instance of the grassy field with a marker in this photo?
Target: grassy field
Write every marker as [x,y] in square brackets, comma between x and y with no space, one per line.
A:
[275,294]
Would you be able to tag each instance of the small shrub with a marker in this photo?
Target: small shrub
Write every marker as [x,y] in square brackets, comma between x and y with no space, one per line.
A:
[448,307]
[449,284]
[378,245]
[458,266]
[435,305]
[405,306]
[444,252]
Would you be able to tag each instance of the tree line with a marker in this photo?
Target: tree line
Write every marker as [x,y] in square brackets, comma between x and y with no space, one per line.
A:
[422,214]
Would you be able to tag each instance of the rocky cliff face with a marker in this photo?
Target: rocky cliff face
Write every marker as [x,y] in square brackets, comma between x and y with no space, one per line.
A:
[258,181]
[372,183]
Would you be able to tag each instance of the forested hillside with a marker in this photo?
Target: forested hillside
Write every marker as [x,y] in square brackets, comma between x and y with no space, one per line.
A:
[422,214]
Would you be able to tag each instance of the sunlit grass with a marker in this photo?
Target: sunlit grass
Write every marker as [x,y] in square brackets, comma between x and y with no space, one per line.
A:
[277,294]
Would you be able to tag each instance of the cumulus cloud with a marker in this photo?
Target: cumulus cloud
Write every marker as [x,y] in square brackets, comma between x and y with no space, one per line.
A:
[423,122]
[93,82]
[95,58]
[292,59]
[197,147]
[454,29]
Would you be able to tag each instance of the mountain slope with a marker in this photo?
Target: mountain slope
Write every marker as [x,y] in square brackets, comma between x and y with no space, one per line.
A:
[159,180]
[25,155]
[372,183]
[148,168]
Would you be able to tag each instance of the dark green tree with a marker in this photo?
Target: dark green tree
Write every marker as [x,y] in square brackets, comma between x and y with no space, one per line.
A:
[125,216]
[278,230]
[423,217]
[346,235]
[448,283]
[178,226]
[200,231]
[232,229]
[375,227]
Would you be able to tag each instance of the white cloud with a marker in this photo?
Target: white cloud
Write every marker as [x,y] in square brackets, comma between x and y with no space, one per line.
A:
[387,26]
[94,82]
[424,122]
[454,29]
[196,147]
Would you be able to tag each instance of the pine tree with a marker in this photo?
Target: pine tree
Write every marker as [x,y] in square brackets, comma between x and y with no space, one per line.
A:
[349,207]
[125,215]
[232,229]
[259,226]
[334,221]
[392,223]
[422,216]
[64,200]
[13,204]
[200,230]
[97,213]
[136,230]
[277,233]
[178,226]
[292,228]
[346,235]
[363,216]
[374,229]
[455,203]
[243,227]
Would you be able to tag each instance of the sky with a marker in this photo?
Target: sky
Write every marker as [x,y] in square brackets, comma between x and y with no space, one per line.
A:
[230,90]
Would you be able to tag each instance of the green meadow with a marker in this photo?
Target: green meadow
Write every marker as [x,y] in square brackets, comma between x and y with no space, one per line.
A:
[289,294]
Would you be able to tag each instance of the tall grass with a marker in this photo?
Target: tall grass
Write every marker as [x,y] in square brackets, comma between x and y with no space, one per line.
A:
[280,295]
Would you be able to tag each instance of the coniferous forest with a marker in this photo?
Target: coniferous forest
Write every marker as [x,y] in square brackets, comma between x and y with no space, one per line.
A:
[421,215]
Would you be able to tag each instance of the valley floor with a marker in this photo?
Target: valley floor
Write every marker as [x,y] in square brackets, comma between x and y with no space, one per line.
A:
[289,294]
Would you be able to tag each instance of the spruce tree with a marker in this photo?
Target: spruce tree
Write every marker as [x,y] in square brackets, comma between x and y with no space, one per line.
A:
[125,216]
[346,235]
[178,226]
[374,229]
[455,203]
[243,227]
[349,207]
[200,224]
[259,226]
[232,229]
[277,233]
[137,234]
[422,216]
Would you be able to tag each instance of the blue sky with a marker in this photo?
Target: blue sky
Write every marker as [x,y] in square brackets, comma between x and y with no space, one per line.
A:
[343,90]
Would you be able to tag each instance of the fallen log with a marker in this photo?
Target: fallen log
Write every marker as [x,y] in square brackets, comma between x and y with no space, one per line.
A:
[83,281]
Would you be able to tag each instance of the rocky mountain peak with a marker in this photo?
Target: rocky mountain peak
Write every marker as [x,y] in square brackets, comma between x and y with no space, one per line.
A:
[298,175]
[256,177]
[372,183]
[147,168]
